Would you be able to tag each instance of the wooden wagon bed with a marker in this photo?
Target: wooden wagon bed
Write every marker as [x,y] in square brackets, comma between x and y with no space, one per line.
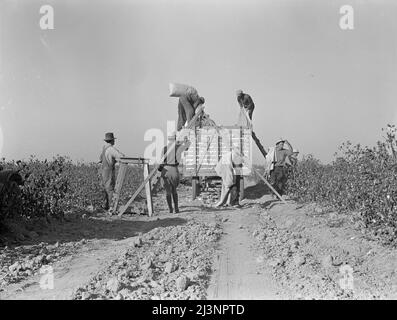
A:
[208,145]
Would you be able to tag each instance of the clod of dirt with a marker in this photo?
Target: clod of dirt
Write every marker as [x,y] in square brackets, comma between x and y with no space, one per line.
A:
[15,267]
[289,223]
[119,297]
[137,241]
[275,262]
[163,257]
[148,264]
[318,210]
[182,283]
[299,260]
[39,259]
[85,296]
[114,285]
[333,215]
[327,261]
[287,252]
[295,244]
[169,267]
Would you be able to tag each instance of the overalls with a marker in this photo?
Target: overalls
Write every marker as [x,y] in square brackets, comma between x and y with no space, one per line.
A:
[108,178]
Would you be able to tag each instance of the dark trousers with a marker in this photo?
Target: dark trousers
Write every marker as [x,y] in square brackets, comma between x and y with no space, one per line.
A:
[278,179]
[170,178]
[185,113]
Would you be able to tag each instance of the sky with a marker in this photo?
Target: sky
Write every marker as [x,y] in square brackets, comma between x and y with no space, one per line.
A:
[106,66]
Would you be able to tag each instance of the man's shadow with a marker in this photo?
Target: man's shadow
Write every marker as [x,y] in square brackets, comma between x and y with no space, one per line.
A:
[256,191]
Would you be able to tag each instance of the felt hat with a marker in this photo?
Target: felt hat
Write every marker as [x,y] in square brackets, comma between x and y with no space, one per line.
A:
[280,140]
[109,136]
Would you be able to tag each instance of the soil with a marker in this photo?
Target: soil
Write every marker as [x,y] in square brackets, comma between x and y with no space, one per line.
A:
[261,250]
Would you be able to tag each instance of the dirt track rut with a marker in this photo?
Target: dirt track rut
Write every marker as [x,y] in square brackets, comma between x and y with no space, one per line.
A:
[236,273]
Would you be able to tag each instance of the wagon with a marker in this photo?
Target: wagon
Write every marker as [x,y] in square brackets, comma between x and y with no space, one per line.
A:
[208,145]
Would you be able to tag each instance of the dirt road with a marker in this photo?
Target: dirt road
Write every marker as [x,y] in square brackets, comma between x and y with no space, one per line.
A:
[276,251]
[236,267]
[263,250]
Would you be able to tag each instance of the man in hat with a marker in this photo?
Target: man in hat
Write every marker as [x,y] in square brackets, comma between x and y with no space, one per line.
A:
[225,169]
[169,170]
[187,105]
[108,159]
[245,101]
[278,175]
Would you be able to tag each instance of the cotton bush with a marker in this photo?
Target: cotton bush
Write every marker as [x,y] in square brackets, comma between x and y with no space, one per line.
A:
[360,179]
[53,187]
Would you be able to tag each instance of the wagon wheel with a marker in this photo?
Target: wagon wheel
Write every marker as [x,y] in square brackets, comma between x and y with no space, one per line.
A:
[10,199]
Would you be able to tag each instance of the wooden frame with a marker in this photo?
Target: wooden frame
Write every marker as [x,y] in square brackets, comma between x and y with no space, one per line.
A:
[208,144]
[123,164]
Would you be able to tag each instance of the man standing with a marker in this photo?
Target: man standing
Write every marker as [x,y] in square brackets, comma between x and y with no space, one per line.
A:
[245,101]
[169,170]
[187,105]
[225,169]
[278,175]
[108,159]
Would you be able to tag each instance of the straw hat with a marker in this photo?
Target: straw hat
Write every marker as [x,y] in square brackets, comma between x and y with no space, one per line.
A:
[280,140]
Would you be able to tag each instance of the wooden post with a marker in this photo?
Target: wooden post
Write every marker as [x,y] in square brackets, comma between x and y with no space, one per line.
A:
[270,186]
[195,187]
[258,143]
[241,187]
[119,184]
[148,189]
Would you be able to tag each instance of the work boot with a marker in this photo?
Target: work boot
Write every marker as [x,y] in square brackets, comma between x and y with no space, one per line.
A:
[169,202]
[175,196]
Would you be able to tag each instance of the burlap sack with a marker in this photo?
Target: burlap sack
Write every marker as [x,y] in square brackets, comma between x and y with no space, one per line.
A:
[177,89]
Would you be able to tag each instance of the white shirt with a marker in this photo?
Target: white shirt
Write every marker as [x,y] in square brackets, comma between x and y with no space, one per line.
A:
[112,153]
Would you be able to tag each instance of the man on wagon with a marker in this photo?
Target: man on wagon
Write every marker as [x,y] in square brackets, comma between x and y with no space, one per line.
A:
[245,101]
[187,105]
